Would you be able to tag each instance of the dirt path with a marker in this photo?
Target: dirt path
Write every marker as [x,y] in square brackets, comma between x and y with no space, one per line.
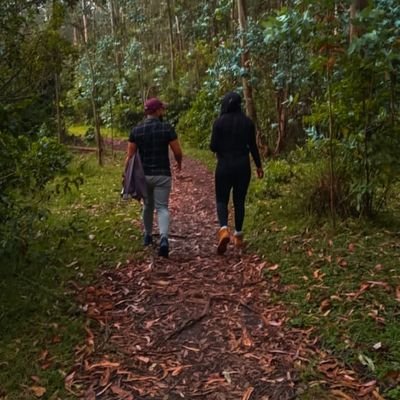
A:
[197,325]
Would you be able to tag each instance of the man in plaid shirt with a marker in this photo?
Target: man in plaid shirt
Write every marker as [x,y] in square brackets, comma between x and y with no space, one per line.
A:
[153,138]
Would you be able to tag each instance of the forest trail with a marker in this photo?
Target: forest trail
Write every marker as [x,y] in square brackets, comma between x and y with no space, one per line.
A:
[196,325]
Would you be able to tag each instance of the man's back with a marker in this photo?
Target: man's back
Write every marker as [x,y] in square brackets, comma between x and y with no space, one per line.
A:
[152,138]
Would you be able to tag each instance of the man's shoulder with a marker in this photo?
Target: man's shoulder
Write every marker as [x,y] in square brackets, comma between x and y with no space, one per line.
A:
[157,126]
[138,127]
[164,124]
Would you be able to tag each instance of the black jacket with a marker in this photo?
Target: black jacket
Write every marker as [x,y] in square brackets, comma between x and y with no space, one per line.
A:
[233,133]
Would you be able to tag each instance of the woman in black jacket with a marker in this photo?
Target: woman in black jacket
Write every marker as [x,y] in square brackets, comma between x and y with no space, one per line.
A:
[233,138]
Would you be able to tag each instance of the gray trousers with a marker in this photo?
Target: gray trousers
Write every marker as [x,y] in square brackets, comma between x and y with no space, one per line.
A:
[158,190]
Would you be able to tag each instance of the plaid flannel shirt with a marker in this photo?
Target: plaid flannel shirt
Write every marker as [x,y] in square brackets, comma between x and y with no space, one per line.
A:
[152,138]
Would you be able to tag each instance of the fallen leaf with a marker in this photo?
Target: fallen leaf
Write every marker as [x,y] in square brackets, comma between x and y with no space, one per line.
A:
[367,388]
[275,323]
[325,305]
[210,381]
[38,391]
[377,395]
[247,393]
[177,371]
[227,376]
[103,364]
[246,340]
[378,267]
[146,360]
[43,355]
[105,378]
[121,392]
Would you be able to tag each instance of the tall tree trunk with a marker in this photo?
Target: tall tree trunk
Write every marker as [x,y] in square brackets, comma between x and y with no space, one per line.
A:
[332,177]
[115,35]
[93,100]
[171,41]
[179,36]
[281,98]
[246,63]
[84,22]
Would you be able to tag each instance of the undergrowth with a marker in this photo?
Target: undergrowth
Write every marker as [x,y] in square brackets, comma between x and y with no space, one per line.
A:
[342,281]
[40,322]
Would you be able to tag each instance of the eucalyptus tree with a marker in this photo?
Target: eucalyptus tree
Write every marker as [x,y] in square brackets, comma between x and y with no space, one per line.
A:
[348,62]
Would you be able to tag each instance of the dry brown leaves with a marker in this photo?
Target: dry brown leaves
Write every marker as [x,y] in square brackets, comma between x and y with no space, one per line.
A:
[195,326]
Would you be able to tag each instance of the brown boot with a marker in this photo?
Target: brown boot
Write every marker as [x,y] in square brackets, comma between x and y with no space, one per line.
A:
[238,240]
[223,240]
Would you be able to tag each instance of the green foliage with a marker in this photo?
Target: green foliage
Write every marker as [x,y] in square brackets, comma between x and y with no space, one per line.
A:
[278,173]
[352,117]
[27,168]
[196,124]
[32,52]
[125,116]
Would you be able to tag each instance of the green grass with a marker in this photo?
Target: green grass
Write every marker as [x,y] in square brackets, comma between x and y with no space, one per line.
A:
[40,321]
[340,281]
[80,130]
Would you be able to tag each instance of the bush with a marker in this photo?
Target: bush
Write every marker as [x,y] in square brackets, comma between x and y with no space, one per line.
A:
[196,124]
[27,167]
[278,174]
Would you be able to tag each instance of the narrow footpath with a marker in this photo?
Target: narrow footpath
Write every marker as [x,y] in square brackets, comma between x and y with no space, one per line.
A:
[197,325]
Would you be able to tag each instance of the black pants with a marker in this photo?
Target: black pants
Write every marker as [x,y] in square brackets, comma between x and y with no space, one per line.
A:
[232,173]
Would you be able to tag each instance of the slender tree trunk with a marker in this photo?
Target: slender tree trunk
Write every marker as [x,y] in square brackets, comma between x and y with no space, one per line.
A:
[93,97]
[171,41]
[179,36]
[332,183]
[281,109]
[246,63]
[114,32]
[75,36]
[60,129]
[84,22]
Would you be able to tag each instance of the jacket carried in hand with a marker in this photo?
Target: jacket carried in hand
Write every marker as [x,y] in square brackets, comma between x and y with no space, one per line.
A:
[134,185]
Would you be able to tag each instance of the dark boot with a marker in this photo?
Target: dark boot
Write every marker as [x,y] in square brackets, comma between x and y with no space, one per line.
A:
[164,247]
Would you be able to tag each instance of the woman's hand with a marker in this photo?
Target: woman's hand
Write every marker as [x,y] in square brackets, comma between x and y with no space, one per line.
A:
[260,173]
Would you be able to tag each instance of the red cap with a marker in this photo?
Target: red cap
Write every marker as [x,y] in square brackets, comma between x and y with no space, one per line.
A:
[152,105]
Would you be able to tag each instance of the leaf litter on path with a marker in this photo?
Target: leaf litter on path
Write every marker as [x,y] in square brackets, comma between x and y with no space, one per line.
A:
[197,325]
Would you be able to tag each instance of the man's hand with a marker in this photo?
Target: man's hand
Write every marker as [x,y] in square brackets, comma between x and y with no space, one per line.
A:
[176,149]
[260,173]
